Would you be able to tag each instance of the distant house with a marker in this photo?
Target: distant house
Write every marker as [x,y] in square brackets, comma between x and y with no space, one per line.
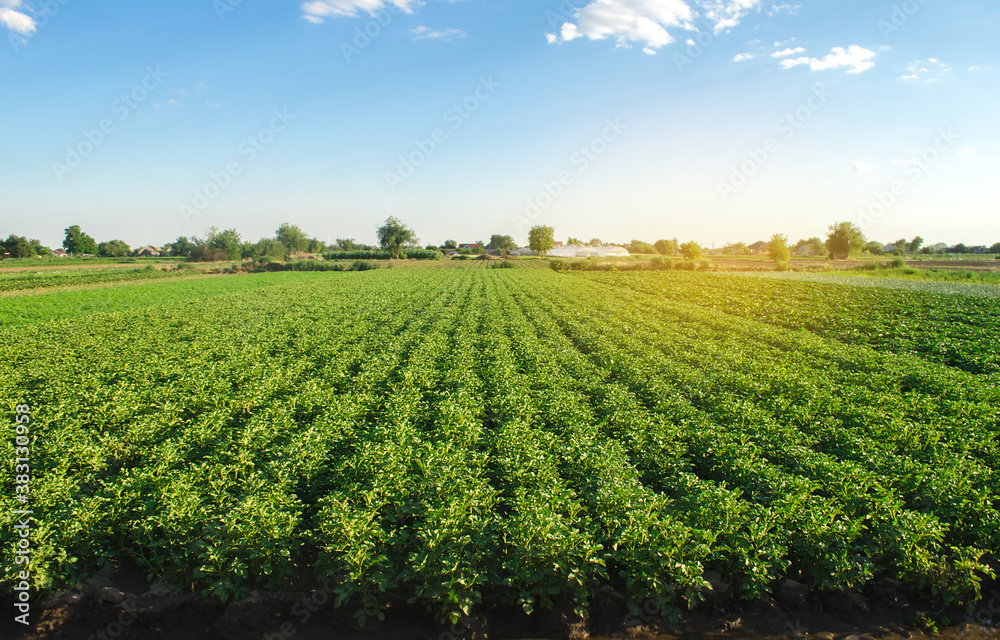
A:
[476,245]
[805,252]
[759,248]
[558,244]
[59,254]
[889,248]
[149,252]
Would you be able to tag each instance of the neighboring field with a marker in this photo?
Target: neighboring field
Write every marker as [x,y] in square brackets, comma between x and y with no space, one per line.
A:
[465,436]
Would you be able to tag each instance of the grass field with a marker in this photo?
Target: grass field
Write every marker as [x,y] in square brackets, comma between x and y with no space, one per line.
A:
[470,436]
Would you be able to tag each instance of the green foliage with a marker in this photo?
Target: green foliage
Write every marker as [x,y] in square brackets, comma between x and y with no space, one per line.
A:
[292,238]
[844,240]
[691,250]
[667,247]
[541,239]
[114,249]
[79,243]
[393,235]
[638,246]
[455,438]
[409,254]
[502,243]
[18,247]
[778,248]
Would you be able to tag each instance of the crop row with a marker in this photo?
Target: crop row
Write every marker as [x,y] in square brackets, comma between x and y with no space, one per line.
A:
[461,437]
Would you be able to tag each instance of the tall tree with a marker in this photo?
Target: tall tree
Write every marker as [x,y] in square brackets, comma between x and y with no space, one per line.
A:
[595,242]
[915,245]
[114,249]
[638,246]
[541,239]
[666,247]
[575,242]
[181,247]
[450,244]
[778,248]
[292,237]
[691,250]
[18,247]
[501,243]
[228,241]
[393,235]
[844,240]
[77,242]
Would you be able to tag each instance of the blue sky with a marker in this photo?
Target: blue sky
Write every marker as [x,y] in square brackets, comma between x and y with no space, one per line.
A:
[713,120]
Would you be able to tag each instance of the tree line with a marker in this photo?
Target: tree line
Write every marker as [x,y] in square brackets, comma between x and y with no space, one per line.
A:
[843,240]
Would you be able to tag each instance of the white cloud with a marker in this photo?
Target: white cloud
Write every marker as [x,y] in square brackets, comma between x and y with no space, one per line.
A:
[740,57]
[649,51]
[785,7]
[644,21]
[726,14]
[857,60]
[16,21]
[925,71]
[214,105]
[967,152]
[316,10]
[784,53]
[426,33]
[860,166]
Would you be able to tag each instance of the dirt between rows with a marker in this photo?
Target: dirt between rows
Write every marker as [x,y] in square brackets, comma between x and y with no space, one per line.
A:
[113,605]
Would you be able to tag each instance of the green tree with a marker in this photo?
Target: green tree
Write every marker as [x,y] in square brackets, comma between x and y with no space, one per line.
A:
[638,246]
[595,242]
[114,249]
[874,248]
[575,242]
[502,243]
[995,249]
[690,250]
[450,244]
[78,243]
[268,248]
[915,245]
[316,246]
[294,239]
[181,247]
[778,248]
[229,241]
[844,240]
[666,247]
[541,239]
[393,235]
[18,247]
[738,249]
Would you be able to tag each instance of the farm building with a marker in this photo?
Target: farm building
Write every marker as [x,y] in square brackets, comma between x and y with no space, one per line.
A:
[759,248]
[589,252]
[149,252]
[524,251]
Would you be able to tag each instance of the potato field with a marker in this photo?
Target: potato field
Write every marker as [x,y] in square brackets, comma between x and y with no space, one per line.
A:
[459,438]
